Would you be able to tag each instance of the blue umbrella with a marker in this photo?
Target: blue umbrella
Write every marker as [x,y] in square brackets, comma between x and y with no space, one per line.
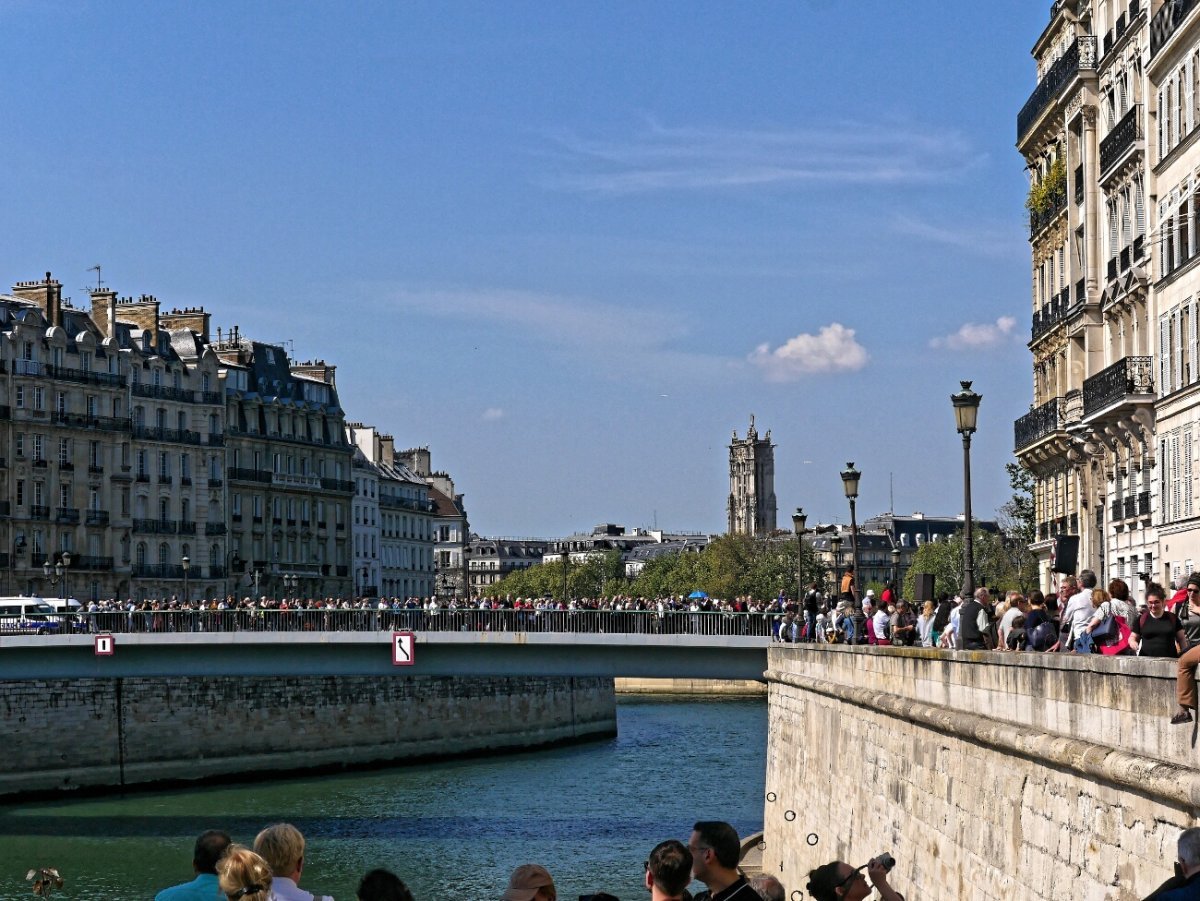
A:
[697,594]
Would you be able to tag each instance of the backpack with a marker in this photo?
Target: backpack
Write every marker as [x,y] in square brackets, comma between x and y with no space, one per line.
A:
[1042,637]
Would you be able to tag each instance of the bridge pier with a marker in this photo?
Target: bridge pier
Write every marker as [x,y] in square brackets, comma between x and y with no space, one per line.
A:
[988,775]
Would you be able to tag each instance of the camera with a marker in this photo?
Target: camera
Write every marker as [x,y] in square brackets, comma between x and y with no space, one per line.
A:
[885,860]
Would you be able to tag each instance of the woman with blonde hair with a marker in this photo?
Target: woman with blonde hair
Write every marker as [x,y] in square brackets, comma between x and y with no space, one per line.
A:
[243,876]
[925,625]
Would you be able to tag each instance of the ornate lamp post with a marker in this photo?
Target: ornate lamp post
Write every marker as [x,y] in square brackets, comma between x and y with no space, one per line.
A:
[835,545]
[966,413]
[850,477]
[800,524]
[57,572]
[290,584]
[187,568]
[896,570]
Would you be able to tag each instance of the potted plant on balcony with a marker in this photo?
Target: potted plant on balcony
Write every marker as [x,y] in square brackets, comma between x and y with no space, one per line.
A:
[1047,193]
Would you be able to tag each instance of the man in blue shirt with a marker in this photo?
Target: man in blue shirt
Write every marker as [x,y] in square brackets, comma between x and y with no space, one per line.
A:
[210,846]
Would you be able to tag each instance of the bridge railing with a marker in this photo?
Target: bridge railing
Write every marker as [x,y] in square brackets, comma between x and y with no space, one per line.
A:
[646,622]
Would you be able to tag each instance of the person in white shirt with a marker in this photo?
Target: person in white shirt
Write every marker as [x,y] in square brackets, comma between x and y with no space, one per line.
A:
[1079,611]
[282,847]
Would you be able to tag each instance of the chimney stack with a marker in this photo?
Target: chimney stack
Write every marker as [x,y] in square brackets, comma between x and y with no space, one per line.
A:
[47,294]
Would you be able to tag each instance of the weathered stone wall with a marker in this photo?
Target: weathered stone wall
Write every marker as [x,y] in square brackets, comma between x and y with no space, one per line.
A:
[701,687]
[64,734]
[988,775]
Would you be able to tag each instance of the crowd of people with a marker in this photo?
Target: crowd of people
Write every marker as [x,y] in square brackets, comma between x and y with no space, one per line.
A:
[272,869]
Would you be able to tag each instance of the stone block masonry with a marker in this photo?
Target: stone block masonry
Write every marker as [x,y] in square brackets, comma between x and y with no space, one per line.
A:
[63,734]
[988,775]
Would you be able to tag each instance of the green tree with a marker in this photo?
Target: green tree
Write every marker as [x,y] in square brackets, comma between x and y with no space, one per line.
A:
[944,560]
[1017,519]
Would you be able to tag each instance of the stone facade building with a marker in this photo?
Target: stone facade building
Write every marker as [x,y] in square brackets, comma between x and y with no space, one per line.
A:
[1107,136]
[752,508]
[451,531]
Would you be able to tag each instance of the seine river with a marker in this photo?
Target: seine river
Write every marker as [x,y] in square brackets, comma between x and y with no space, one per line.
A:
[590,813]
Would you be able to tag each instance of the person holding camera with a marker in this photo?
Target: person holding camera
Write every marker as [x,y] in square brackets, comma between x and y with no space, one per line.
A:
[838,881]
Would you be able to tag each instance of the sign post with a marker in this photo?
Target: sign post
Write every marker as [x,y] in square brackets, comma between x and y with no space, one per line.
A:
[403,648]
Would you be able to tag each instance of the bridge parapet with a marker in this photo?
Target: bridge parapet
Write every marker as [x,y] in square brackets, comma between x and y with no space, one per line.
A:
[990,774]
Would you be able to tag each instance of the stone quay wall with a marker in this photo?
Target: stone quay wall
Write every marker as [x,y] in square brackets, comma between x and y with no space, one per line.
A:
[63,734]
[988,775]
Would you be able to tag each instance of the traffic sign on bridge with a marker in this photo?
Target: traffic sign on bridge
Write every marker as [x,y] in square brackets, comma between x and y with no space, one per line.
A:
[402,648]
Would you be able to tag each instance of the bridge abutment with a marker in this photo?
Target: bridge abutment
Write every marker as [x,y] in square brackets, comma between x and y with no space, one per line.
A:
[94,733]
[988,775]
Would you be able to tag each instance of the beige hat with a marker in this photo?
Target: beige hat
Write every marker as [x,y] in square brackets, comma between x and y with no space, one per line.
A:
[525,882]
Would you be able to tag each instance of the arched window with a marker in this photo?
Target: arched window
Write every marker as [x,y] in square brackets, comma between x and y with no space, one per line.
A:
[183,421]
[164,553]
[164,509]
[141,553]
[185,510]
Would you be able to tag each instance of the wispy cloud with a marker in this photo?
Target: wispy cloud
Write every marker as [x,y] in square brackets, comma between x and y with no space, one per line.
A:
[492,414]
[832,349]
[661,158]
[973,335]
[992,242]
[573,321]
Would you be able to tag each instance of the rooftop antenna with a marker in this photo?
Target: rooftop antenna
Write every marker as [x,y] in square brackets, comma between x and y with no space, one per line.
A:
[99,282]
[892,493]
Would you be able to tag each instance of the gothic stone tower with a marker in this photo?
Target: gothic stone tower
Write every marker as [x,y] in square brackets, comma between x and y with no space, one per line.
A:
[751,484]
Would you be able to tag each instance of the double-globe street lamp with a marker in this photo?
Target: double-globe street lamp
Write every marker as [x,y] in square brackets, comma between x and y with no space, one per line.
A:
[966,414]
[800,524]
[57,572]
[850,477]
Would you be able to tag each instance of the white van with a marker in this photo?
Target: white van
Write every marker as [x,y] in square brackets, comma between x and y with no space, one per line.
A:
[29,616]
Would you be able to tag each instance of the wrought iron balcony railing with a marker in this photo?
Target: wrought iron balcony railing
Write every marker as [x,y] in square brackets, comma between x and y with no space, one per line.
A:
[1130,376]
[1037,423]
[1167,21]
[1120,140]
[1080,55]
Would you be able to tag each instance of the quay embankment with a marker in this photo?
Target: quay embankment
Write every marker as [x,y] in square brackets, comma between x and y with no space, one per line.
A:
[988,775]
[96,734]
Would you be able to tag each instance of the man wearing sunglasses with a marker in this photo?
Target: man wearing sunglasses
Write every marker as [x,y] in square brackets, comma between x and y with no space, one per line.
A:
[1185,681]
[838,881]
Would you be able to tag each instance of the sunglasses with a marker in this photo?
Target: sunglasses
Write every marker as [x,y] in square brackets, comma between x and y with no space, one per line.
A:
[857,874]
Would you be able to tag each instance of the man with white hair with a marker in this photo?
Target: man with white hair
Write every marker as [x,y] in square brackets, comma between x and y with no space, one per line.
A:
[1185,884]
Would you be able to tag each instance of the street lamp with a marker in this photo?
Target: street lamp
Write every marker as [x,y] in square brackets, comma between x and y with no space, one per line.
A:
[17,551]
[187,566]
[850,477]
[835,545]
[896,570]
[59,569]
[800,524]
[290,583]
[966,412]
[235,565]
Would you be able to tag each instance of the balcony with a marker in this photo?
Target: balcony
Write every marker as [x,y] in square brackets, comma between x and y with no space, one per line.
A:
[215,439]
[337,485]
[39,511]
[186,528]
[185,481]
[1121,141]
[212,397]
[1038,423]
[1143,503]
[291,480]
[81,421]
[1080,55]
[154,526]
[1039,219]
[215,483]
[67,516]
[102,564]
[1167,21]
[216,572]
[1130,507]
[83,376]
[164,392]
[5,508]
[214,528]
[96,518]
[240,474]
[142,477]
[343,571]
[164,479]
[157,571]
[1116,510]
[95,469]
[1127,379]
[40,463]
[161,433]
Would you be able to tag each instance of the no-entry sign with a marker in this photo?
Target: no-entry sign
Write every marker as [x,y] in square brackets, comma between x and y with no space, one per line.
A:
[105,645]
[402,648]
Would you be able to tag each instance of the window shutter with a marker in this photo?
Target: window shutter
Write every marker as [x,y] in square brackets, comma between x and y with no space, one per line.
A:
[1163,459]
[1177,348]
[1113,246]
[1193,334]
[1188,95]
[1164,357]
[1139,202]
[1162,123]
[1186,481]
[1175,476]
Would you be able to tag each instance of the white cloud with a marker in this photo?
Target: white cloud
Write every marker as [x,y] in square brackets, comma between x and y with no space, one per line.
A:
[491,414]
[975,335]
[832,349]
[849,153]
[986,241]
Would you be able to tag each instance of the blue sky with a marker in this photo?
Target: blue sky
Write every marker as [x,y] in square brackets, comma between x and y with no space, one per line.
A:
[568,246]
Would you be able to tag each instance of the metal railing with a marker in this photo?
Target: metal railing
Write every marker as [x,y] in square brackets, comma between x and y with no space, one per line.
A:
[1037,423]
[1129,376]
[1166,21]
[1080,55]
[1122,137]
[584,622]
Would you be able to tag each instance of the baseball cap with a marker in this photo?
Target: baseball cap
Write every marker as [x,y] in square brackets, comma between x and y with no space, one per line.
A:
[870,592]
[525,881]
